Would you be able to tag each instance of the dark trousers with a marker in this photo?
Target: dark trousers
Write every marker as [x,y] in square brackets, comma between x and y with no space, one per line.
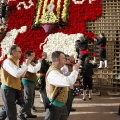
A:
[87,81]
[102,54]
[70,100]
[9,109]
[56,113]
[82,57]
[43,83]
[33,97]
[29,90]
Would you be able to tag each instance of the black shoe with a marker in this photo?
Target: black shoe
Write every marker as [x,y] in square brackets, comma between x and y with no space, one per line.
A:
[90,98]
[31,116]
[84,99]
[33,109]
[72,110]
[21,117]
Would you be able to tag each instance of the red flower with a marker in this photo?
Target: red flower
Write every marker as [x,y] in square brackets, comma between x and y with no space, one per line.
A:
[31,39]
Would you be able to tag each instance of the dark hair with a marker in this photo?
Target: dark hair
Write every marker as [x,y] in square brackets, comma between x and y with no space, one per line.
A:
[13,48]
[28,53]
[102,34]
[55,55]
[66,56]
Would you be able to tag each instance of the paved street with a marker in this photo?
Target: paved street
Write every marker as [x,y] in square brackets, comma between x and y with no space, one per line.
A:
[99,108]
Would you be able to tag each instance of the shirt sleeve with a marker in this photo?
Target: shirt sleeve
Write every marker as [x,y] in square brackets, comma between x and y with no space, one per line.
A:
[34,69]
[64,70]
[14,70]
[59,80]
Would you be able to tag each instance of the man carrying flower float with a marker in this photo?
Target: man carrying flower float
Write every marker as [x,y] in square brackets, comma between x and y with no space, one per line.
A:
[82,47]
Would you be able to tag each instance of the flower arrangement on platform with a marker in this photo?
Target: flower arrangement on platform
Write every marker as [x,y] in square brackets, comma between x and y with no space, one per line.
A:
[31,39]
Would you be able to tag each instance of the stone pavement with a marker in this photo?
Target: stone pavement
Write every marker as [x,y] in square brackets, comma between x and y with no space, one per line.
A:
[99,108]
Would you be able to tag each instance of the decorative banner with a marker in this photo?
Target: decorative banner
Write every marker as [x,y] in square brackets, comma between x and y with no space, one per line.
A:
[79,15]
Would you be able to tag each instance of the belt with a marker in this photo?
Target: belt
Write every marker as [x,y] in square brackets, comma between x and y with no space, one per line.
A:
[42,74]
[83,51]
[103,47]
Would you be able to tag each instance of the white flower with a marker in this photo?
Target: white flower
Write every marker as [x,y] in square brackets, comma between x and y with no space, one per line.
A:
[24,4]
[82,1]
[23,29]
[61,42]
[9,39]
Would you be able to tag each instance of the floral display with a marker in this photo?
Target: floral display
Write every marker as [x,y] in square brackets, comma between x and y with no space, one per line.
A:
[23,13]
[8,41]
[51,11]
[61,43]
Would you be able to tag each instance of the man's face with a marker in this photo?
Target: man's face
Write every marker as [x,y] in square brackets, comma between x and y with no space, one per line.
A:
[32,56]
[72,59]
[62,60]
[68,60]
[44,56]
[17,53]
[87,59]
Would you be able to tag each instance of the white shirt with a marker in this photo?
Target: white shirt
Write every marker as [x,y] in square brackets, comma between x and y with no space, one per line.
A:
[34,69]
[65,70]
[14,70]
[59,80]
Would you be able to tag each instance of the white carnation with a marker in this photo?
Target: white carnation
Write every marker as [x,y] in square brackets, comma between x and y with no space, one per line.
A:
[61,42]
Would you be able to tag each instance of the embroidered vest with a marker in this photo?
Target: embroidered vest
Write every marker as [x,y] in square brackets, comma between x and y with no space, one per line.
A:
[9,80]
[52,90]
[30,76]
